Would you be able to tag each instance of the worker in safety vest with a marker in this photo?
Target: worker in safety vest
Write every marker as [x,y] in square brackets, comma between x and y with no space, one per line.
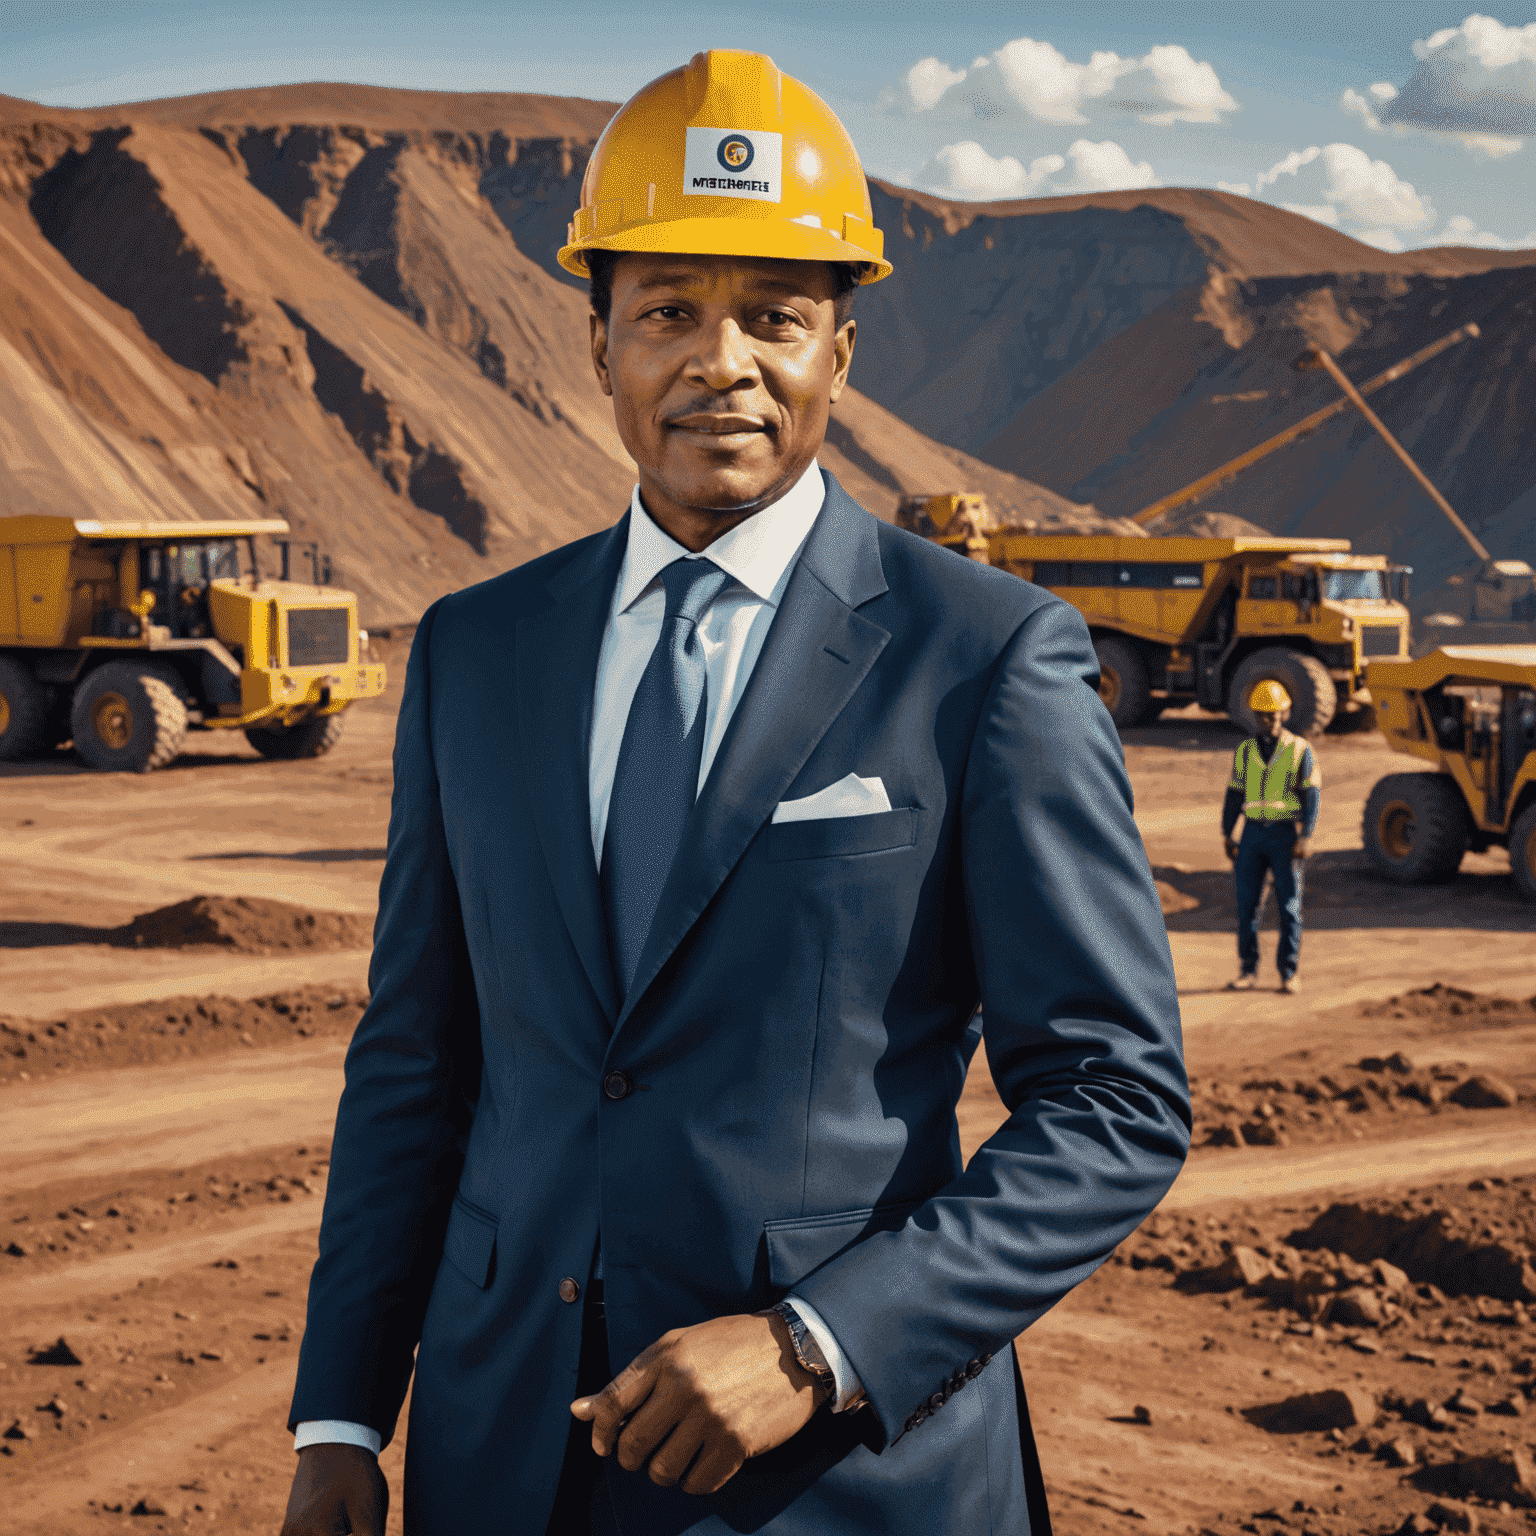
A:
[1275,788]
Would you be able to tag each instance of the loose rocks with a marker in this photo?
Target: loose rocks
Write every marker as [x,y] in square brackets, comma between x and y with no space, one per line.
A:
[1334,1408]
[1507,1475]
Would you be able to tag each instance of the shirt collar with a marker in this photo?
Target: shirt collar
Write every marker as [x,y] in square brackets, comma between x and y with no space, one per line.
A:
[759,552]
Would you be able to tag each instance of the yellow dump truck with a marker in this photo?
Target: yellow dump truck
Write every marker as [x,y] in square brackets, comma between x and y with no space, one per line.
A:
[1470,712]
[123,636]
[1194,620]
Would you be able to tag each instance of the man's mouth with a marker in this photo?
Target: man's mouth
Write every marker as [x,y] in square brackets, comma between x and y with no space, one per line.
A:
[717,424]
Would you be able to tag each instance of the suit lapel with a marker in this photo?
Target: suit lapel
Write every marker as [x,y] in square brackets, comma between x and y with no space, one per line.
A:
[817,652]
[557,653]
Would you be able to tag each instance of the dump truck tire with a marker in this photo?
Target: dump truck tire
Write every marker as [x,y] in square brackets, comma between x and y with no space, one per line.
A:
[128,718]
[1314,699]
[1123,683]
[1415,828]
[1522,852]
[23,713]
[313,737]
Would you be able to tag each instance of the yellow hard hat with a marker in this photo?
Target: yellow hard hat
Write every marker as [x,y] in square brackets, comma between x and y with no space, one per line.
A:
[1267,697]
[727,157]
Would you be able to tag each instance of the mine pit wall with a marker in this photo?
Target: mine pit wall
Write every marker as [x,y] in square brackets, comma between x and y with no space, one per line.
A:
[1172,396]
[203,314]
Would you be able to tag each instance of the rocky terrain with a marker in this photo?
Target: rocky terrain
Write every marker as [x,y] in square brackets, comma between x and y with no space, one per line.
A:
[1326,1327]
[338,308]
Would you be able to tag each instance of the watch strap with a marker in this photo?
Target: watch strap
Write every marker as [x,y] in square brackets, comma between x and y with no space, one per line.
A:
[807,1350]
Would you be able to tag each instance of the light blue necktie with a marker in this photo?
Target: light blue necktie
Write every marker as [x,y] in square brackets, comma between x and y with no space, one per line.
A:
[657,777]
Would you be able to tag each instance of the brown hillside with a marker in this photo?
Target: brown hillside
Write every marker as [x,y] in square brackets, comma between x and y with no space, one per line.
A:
[1246,237]
[335,304]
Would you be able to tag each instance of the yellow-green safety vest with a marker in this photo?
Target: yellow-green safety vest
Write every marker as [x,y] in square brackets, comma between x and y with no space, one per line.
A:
[1272,791]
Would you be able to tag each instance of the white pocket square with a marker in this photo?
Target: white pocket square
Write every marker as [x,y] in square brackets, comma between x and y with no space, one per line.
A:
[851,796]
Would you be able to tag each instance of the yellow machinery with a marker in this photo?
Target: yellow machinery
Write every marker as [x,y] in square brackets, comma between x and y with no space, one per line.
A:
[1470,710]
[122,636]
[1180,621]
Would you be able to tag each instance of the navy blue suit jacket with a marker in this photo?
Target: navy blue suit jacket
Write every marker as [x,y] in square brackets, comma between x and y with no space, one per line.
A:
[797,1037]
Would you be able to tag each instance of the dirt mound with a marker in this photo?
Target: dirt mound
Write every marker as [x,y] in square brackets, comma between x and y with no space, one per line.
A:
[1462,1251]
[131,1034]
[1442,1002]
[1276,1111]
[250,925]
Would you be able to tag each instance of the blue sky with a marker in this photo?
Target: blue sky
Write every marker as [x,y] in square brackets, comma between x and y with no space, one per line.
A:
[1404,123]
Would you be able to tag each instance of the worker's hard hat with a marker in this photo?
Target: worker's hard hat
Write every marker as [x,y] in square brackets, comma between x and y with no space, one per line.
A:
[727,157]
[1267,697]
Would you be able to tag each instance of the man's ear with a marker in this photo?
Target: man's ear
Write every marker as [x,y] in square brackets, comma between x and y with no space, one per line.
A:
[842,344]
[599,336]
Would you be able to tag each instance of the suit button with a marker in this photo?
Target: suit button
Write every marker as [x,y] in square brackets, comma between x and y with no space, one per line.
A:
[618,1085]
[569,1290]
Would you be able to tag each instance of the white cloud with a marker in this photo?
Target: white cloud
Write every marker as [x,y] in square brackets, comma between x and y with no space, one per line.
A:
[1356,188]
[1370,191]
[927,80]
[1460,230]
[1476,82]
[1182,91]
[1491,146]
[1036,80]
[967,170]
[1105,168]
[1323,213]
[1240,187]
[1292,163]
[1382,239]
[1357,106]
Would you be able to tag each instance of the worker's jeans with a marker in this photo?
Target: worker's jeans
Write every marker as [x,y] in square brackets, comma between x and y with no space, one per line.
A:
[1268,846]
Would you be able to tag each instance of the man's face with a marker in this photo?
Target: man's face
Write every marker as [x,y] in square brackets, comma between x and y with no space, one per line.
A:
[1272,722]
[722,371]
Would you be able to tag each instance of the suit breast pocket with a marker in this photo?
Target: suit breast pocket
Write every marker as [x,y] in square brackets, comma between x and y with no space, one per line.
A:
[839,836]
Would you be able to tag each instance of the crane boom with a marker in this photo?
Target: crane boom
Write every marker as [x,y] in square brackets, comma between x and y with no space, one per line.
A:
[1218,477]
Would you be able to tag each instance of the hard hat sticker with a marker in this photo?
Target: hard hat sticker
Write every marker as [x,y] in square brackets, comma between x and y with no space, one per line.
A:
[734,162]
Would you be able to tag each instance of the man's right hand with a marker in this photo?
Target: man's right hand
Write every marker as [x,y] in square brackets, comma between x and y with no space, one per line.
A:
[1231,845]
[337,1489]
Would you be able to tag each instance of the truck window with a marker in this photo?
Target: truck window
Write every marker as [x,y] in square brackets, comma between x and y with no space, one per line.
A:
[223,558]
[1297,587]
[1264,586]
[1354,586]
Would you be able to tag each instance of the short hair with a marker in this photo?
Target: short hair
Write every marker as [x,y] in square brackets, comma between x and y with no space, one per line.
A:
[601,264]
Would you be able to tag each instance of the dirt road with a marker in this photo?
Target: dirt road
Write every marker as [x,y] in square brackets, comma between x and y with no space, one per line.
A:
[185,1305]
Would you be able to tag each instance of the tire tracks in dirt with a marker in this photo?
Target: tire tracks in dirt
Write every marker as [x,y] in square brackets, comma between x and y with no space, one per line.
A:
[167,1114]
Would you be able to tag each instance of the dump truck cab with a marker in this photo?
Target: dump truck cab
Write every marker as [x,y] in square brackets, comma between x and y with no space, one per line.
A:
[1199,620]
[123,636]
[1469,712]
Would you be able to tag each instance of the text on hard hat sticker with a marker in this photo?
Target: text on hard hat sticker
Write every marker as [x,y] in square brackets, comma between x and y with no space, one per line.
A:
[733,162]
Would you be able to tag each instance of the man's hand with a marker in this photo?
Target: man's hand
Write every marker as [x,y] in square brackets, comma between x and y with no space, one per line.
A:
[338,1488]
[1231,848]
[701,1400]
[1302,848]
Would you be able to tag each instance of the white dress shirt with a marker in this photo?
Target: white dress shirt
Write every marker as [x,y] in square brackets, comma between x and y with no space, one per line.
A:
[760,556]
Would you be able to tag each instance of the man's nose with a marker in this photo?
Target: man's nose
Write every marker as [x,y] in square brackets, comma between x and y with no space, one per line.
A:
[723,359]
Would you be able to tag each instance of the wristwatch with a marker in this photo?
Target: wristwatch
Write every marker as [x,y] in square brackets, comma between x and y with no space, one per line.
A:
[807,1350]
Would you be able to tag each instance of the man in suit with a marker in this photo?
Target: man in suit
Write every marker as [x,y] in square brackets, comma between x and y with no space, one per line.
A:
[710,833]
